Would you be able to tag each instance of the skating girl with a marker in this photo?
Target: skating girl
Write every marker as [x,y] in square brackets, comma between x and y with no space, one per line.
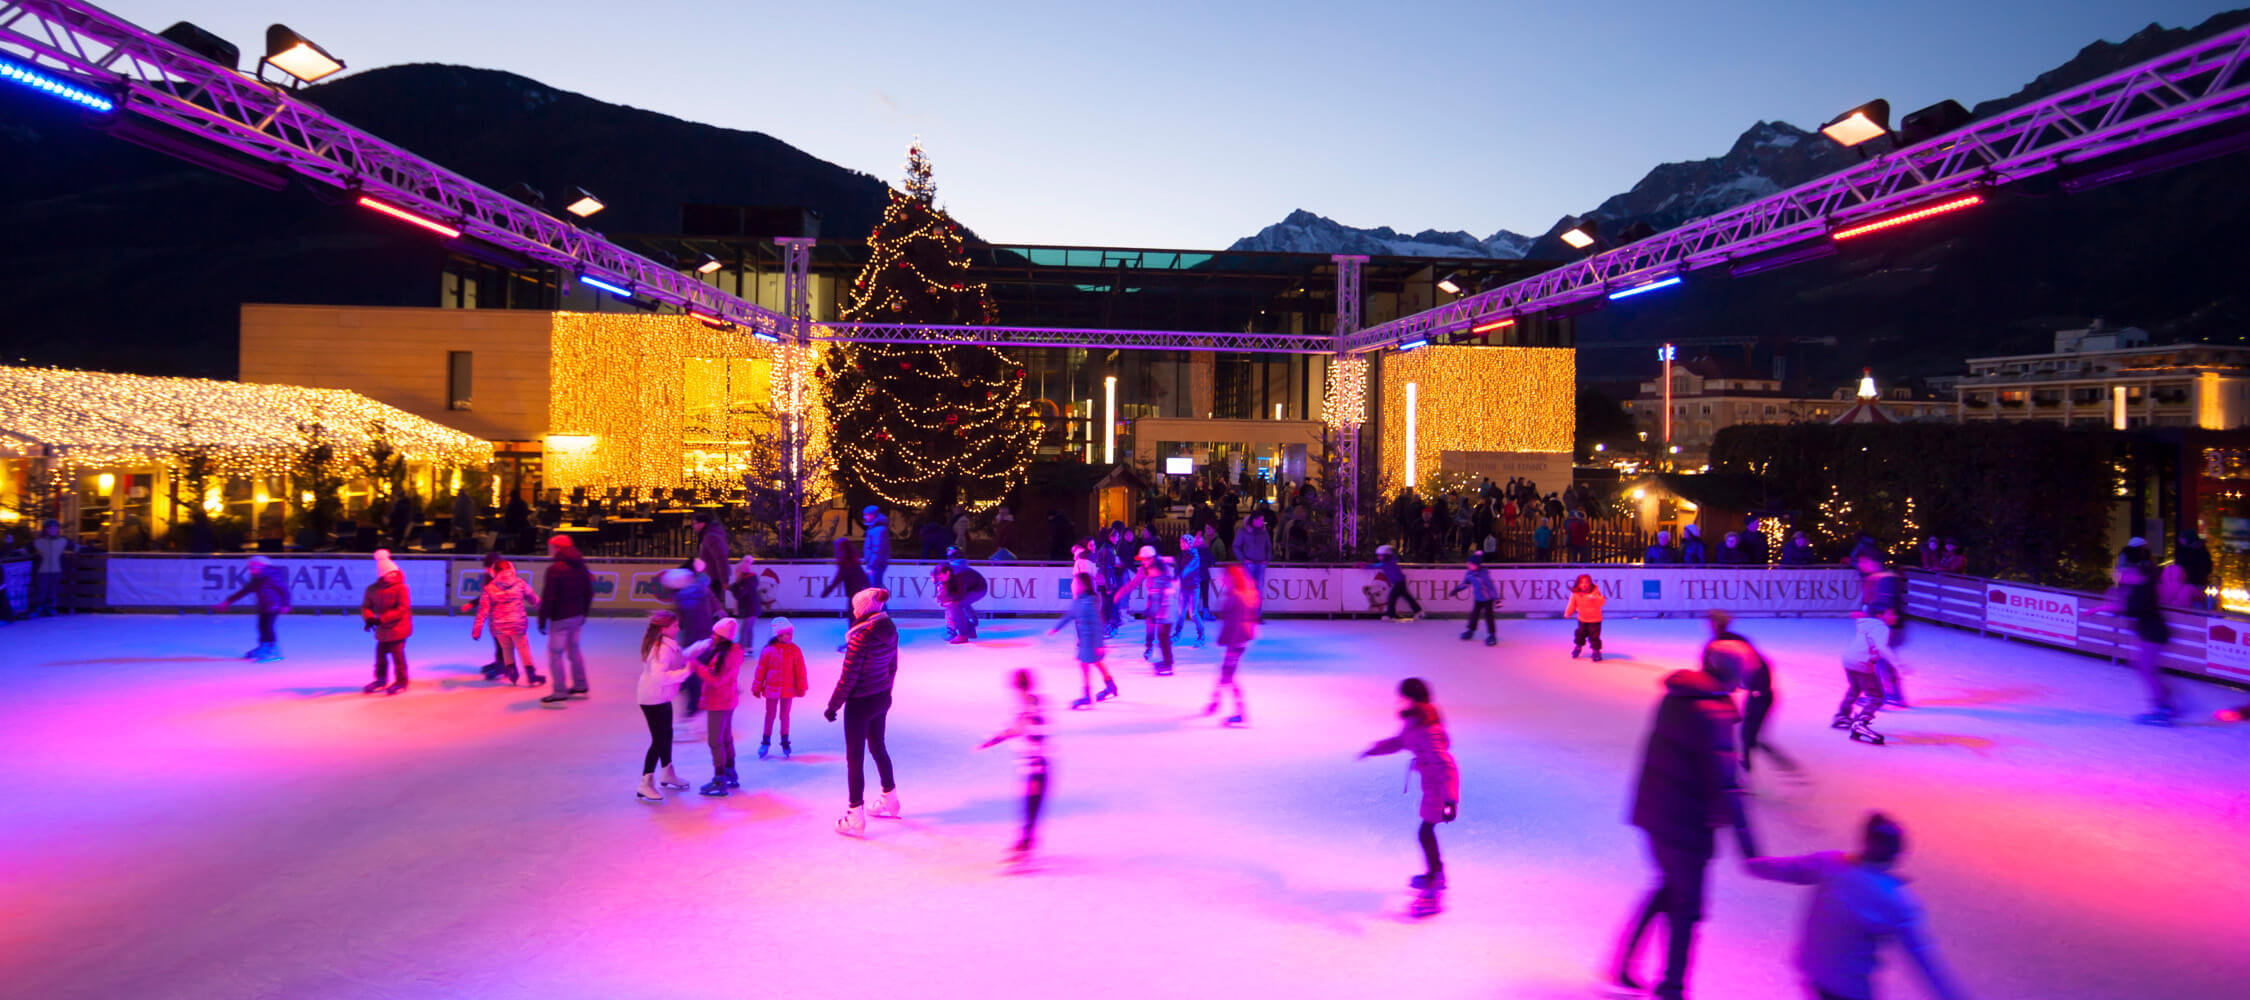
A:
[1423,734]
[1238,626]
[1585,605]
[718,664]
[663,669]
[1155,574]
[1086,613]
[387,611]
[780,680]
[506,604]
[265,581]
[1030,726]
[1386,565]
[1484,595]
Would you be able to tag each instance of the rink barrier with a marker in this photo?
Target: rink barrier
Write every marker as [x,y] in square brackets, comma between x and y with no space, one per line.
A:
[2204,644]
[157,581]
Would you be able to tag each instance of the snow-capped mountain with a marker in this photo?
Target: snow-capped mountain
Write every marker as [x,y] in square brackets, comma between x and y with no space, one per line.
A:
[1304,232]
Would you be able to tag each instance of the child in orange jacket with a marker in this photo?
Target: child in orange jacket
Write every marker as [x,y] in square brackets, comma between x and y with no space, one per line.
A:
[1586,606]
[780,679]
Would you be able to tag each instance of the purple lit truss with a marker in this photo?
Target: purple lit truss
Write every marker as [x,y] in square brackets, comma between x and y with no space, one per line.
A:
[2193,87]
[1025,336]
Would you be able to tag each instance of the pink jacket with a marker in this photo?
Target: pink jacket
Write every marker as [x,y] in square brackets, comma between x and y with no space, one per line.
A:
[722,681]
[506,604]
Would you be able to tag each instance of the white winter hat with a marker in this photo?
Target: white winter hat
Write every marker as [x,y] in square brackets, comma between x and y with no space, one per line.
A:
[1148,552]
[727,628]
[2136,542]
[1384,550]
[675,579]
[384,565]
[780,625]
[869,601]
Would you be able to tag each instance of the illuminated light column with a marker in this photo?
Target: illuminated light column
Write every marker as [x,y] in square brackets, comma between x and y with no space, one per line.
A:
[1109,419]
[1413,395]
[2210,406]
[2117,407]
[1089,432]
[1666,354]
[1277,411]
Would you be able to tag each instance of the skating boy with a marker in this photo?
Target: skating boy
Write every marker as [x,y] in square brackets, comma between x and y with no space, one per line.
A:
[1857,904]
[1868,653]
[1484,595]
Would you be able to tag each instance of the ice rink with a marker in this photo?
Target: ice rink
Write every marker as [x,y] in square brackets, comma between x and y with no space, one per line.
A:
[183,824]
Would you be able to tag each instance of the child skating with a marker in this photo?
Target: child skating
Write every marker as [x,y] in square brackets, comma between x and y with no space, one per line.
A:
[780,680]
[506,605]
[386,610]
[1757,686]
[1155,575]
[717,662]
[1868,653]
[1484,595]
[1085,612]
[1386,565]
[1585,605]
[1857,905]
[1029,726]
[1238,626]
[663,669]
[266,582]
[1423,735]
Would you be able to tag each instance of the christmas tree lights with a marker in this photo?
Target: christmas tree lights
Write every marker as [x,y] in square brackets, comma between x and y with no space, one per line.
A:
[921,426]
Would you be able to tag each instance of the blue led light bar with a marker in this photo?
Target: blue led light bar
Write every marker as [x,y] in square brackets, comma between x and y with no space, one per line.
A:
[1626,293]
[1409,345]
[767,337]
[54,86]
[614,289]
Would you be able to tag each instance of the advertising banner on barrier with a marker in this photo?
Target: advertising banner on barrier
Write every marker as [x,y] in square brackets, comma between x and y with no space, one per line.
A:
[2226,651]
[314,581]
[1627,590]
[2034,614]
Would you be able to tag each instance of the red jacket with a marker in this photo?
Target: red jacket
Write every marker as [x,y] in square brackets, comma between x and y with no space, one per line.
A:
[781,672]
[387,607]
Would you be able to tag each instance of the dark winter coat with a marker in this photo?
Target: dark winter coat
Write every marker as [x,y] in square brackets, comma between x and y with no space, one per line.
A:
[1477,580]
[1252,544]
[1387,567]
[964,584]
[697,612]
[1794,554]
[748,600]
[874,552]
[711,547]
[870,660]
[386,606]
[1157,579]
[1195,564]
[2195,561]
[1757,682]
[269,585]
[1659,555]
[1085,613]
[1690,777]
[2142,607]
[568,590]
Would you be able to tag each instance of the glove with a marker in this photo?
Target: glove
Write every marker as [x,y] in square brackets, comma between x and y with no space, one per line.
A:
[1452,809]
[831,714]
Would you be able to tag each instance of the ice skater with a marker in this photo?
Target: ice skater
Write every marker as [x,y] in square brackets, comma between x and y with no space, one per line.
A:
[875,549]
[1423,735]
[1585,606]
[1864,660]
[492,670]
[269,584]
[863,694]
[505,605]
[717,662]
[749,601]
[1253,547]
[47,551]
[1155,576]
[1195,572]
[1757,702]
[959,588]
[2135,598]
[1029,726]
[780,680]
[1239,599]
[566,598]
[1882,598]
[1484,595]
[1689,782]
[1085,612]
[685,591]
[662,671]
[1857,905]
[388,611]
[1386,566]
[849,579]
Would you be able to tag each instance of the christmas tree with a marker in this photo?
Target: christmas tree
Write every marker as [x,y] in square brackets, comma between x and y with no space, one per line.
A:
[924,427]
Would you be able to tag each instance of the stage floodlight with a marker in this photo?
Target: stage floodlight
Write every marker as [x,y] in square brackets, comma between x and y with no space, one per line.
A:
[709,265]
[1931,122]
[528,195]
[203,43]
[1450,284]
[1581,235]
[584,204]
[1868,121]
[297,56]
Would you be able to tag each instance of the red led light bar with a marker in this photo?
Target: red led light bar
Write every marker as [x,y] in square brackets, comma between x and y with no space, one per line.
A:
[1955,205]
[405,216]
[1500,324]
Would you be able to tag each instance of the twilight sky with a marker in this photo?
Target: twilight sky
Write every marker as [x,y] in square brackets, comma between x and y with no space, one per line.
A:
[1166,124]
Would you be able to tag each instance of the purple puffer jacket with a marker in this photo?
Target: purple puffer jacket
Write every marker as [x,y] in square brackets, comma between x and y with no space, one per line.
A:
[506,604]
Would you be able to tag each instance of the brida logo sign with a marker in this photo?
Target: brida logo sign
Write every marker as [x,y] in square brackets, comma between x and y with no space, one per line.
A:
[2035,614]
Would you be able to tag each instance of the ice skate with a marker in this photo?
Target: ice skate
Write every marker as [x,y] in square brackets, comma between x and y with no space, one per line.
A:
[576,692]
[1575,650]
[1861,733]
[1427,882]
[886,807]
[396,686]
[372,687]
[533,677]
[1841,722]
[1427,904]
[1109,690]
[1019,860]
[2156,718]
[1468,635]
[647,791]
[671,779]
[716,787]
[1621,987]
[785,748]
[733,780]
[764,747]
[510,670]
[1237,720]
[253,652]
[271,654]
[1597,656]
[1163,670]
[853,823]
[1082,704]
[1212,708]
[1491,640]
[554,699]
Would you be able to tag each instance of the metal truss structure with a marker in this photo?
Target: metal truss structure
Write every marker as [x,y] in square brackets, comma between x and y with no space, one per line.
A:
[1030,336]
[1350,409]
[2193,87]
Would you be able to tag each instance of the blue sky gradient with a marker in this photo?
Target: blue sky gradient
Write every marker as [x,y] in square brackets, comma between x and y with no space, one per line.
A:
[1192,124]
